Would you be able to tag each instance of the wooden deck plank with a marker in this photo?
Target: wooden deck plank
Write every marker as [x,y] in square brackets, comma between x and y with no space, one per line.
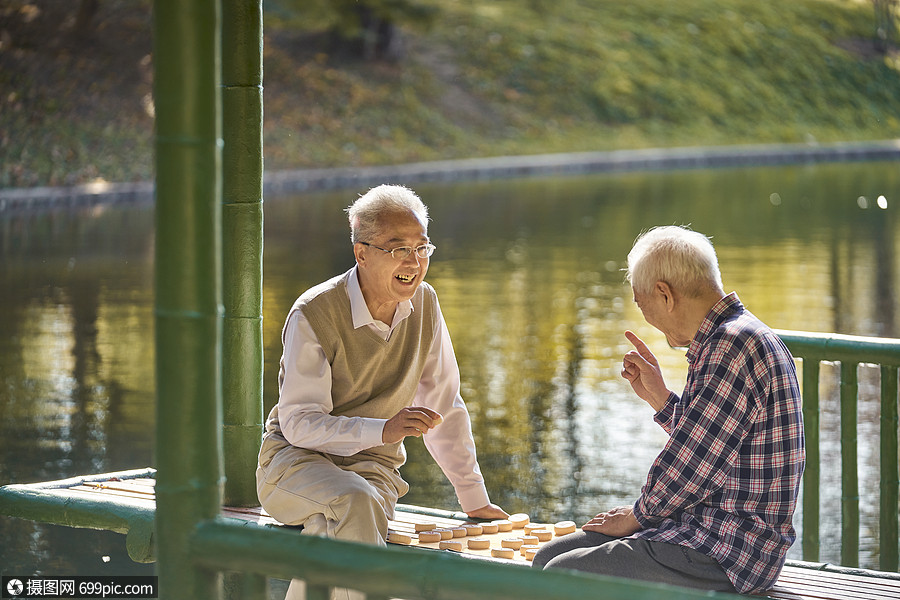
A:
[888,586]
[826,589]
[123,486]
[114,491]
[870,587]
[255,515]
[848,573]
[92,494]
[793,591]
[832,589]
[798,582]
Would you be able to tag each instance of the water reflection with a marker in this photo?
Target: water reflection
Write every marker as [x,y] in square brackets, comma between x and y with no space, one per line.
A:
[530,280]
[76,381]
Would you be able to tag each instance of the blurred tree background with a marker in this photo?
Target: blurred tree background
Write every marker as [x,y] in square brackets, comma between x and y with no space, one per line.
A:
[389,81]
[886,24]
[369,29]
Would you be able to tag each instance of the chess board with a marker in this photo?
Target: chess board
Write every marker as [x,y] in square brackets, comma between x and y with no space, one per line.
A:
[484,539]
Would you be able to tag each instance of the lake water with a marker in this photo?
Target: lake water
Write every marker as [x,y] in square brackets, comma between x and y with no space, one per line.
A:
[529,275]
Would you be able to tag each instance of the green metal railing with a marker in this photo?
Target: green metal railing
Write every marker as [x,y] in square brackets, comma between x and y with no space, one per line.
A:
[850,352]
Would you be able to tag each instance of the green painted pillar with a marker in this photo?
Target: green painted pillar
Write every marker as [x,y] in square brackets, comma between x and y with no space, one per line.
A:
[188,314]
[242,245]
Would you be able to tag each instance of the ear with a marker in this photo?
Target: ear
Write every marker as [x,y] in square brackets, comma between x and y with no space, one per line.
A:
[359,251]
[668,295]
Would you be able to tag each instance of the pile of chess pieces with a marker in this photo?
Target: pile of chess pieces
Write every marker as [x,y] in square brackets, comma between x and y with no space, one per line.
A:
[515,538]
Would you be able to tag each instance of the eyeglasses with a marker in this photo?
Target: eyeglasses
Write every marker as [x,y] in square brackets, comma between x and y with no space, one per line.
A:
[423,251]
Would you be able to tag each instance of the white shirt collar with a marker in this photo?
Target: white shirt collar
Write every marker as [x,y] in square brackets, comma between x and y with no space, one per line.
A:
[360,311]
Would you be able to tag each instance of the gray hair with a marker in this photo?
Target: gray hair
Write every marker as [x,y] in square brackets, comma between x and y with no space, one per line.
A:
[683,258]
[365,213]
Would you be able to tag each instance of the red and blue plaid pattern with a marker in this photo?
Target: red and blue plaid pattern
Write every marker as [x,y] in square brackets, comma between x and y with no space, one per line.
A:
[726,483]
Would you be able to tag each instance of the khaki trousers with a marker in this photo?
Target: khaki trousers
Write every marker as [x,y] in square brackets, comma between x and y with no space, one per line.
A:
[333,496]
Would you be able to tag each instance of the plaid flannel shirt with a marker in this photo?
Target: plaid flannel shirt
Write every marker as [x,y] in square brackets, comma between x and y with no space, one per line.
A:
[726,483]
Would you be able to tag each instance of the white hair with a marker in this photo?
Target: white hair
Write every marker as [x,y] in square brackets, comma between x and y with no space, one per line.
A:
[365,213]
[683,258]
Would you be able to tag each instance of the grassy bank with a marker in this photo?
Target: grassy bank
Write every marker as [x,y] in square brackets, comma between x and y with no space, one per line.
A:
[489,78]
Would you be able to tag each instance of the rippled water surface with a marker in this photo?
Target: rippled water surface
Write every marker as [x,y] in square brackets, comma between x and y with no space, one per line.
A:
[529,275]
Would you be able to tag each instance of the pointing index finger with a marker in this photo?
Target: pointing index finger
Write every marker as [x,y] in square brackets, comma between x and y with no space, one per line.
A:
[634,339]
[641,347]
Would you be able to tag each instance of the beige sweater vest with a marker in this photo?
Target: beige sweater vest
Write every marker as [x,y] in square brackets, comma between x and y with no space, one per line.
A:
[370,377]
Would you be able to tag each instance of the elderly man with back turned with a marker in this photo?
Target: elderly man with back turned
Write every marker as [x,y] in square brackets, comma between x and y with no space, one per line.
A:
[367,362]
[716,510]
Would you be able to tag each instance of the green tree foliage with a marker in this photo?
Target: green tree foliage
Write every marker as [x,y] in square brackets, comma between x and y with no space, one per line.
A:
[368,28]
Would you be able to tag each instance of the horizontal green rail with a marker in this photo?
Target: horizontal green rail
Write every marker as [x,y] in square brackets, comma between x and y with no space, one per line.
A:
[835,347]
[850,352]
[54,502]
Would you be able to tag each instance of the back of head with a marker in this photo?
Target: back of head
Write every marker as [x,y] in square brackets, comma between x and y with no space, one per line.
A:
[683,258]
[365,213]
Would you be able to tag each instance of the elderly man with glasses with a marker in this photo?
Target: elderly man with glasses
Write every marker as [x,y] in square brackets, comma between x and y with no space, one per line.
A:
[367,362]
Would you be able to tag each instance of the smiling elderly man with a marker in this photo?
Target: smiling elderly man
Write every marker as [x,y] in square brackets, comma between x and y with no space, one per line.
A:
[716,510]
[367,362]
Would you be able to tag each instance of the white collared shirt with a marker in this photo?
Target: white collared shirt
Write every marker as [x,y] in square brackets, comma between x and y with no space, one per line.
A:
[304,405]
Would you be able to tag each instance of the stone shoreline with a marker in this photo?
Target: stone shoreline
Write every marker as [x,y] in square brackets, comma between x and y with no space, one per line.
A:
[580,163]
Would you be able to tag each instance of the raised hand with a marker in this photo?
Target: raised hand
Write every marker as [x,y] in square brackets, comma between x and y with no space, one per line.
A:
[642,371]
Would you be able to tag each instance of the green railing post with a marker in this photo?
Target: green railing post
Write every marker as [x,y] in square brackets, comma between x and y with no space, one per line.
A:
[188,312]
[251,586]
[811,473]
[319,592]
[890,473]
[849,467]
[242,245]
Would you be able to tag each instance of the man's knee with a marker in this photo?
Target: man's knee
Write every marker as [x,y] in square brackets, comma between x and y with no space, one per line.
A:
[361,501]
[576,543]
[608,557]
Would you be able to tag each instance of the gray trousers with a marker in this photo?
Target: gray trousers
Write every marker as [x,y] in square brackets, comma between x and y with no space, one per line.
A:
[634,559]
